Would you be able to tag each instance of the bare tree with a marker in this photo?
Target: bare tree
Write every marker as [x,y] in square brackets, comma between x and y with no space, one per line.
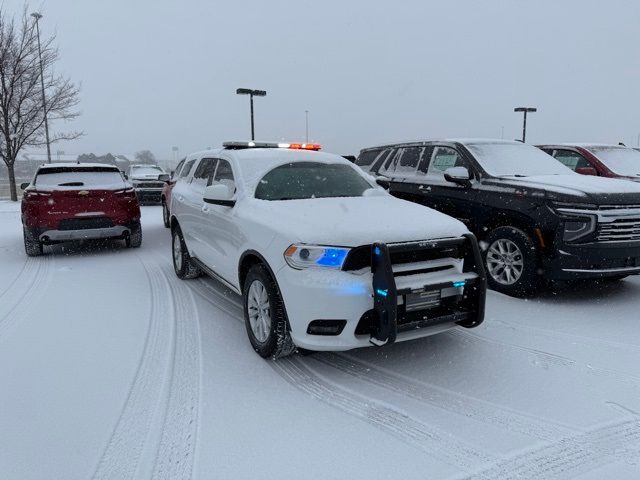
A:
[145,156]
[21,108]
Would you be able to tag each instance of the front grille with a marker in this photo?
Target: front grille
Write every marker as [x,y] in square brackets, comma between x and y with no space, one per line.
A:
[360,257]
[620,230]
[85,223]
[150,185]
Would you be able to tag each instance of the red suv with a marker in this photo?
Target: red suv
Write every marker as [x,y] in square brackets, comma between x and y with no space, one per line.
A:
[68,201]
[615,161]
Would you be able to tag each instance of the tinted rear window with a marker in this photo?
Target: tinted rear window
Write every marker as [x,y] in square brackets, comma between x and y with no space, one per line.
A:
[367,157]
[78,178]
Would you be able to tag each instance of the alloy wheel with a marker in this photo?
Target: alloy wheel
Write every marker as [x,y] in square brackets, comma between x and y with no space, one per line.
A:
[505,261]
[259,311]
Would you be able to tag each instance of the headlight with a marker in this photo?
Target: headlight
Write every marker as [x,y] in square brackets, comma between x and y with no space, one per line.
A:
[575,229]
[306,256]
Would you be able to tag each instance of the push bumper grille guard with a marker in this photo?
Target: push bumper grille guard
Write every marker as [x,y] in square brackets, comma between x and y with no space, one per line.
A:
[469,311]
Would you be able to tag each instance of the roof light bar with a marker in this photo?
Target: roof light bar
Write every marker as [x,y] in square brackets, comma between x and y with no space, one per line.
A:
[290,146]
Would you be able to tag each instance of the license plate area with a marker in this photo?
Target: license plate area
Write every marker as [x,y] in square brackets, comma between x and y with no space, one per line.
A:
[422,300]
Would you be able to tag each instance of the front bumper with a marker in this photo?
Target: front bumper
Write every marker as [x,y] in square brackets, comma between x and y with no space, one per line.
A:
[593,260]
[369,317]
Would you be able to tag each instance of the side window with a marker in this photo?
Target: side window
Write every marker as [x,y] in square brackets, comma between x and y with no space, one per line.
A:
[379,161]
[204,172]
[571,159]
[366,158]
[425,159]
[176,172]
[443,158]
[187,168]
[224,175]
[389,164]
[408,160]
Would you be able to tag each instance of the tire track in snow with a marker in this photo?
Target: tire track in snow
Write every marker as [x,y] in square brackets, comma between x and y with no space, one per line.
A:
[438,444]
[176,452]
[571,455]
[545,359]
[472,408]
[122,455]
[30,282]
[430,440]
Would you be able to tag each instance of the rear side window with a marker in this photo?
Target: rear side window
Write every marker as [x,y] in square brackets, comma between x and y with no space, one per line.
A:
[187,168]
[389,164]
[366,158]
[71,178]
[408,160]
[571,159]
[176,172]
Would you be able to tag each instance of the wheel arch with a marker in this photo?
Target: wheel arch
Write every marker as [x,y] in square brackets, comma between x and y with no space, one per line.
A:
[248,259]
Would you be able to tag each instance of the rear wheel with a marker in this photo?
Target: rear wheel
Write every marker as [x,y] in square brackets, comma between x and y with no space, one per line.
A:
[134,240]
[165,214]
[32,246]
[183,264]
[511,262]
[265,316]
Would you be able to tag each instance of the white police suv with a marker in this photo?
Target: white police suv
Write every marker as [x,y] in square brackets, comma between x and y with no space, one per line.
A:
[323,257]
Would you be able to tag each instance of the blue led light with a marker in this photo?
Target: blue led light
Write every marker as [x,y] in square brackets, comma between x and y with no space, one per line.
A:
[332,257]
[459,284]
[377,251]
[382,293]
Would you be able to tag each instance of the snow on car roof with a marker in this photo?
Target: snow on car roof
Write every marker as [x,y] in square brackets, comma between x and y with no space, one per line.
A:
[583,144]
[78,165]
[447,140]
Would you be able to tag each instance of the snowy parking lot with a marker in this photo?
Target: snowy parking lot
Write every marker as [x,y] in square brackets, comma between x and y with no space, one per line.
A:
[112,367]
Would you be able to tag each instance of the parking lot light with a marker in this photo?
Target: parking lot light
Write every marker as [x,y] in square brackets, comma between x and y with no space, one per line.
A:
[525,110]
[251,93]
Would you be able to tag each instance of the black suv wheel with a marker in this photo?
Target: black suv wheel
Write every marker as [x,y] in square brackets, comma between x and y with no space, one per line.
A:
[511,262]
[32,246]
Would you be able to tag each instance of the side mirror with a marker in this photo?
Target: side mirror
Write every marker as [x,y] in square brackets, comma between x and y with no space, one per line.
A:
[383,182]
[126,177]
[163,177]
[458,175]
[587,171]
[24,185]
[219,194]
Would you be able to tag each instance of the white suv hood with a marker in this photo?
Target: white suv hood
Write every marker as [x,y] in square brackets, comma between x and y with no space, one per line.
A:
[355,221]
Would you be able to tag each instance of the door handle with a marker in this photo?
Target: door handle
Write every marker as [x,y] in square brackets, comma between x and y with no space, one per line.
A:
[180,197]
[205,209]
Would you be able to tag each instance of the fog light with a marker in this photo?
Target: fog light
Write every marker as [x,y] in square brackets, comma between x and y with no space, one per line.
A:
[326,327]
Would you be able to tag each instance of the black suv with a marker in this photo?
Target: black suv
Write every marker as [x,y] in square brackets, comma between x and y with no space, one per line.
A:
[535,218]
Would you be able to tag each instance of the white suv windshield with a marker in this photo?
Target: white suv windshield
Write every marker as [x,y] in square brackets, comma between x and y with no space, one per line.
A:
[146,170]
[295,181]
[623,161]
[515,159]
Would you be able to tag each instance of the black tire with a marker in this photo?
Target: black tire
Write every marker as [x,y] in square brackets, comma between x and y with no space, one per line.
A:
[183,264]
[524,258]
[165,214]
[134,239]
[32,246]
[278,341]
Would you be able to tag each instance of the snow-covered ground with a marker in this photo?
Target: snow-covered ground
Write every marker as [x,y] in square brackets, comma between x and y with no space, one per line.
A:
[111,367]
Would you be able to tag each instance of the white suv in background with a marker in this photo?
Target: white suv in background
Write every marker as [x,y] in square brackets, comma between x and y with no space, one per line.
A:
[323,258]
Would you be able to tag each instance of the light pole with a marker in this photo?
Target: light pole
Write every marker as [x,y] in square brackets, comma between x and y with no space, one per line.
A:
[251,93]
[37,17]
[525,110]
[306,126]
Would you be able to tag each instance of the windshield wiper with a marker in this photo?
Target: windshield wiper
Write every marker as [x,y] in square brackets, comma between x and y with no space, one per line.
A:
[518,175]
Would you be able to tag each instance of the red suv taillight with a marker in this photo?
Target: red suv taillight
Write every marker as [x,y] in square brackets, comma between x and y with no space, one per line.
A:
[35,195]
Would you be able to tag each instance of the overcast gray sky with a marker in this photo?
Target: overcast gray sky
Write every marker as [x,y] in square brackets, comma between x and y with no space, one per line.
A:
[156,73]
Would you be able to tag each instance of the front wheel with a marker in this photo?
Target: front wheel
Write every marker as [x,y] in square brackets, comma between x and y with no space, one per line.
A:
[165,215]
[511,262]
[265,316]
